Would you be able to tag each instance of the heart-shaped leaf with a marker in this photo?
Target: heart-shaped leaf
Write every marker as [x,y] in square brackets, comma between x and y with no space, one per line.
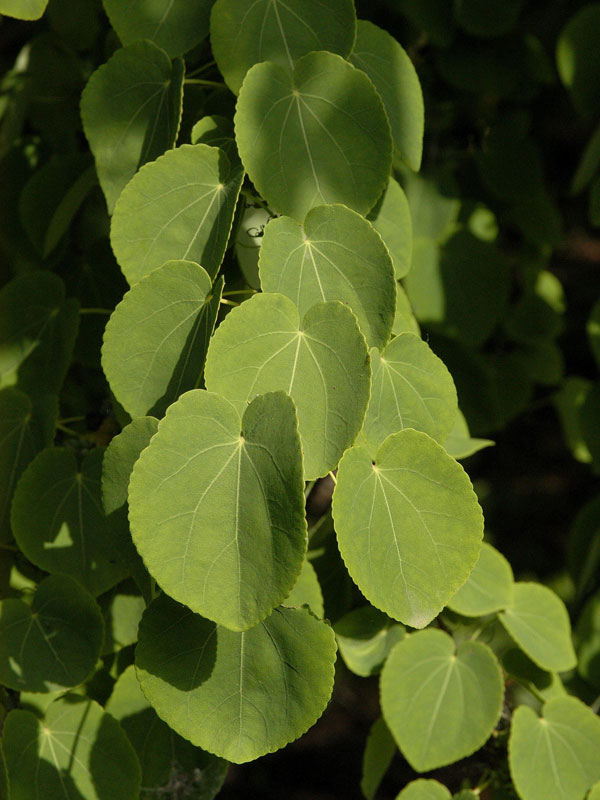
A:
[424,789]
[365,636]
[489,587]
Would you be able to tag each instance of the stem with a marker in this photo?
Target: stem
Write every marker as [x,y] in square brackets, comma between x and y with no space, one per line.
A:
[95,311]
[201,82]
[333,478]
[308,490]
[69,431]
[532,689]
[66,420]
[201,69]
[10,547]
[230,303]
[239,291]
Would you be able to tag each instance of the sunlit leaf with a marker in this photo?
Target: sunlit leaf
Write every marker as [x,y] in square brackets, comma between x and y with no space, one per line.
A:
[306,591]
[489,587]
[424,789]
[23,9]
[391,219]
[460,443]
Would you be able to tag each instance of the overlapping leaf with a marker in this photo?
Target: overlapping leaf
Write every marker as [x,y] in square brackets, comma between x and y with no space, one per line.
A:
[119,459]
[489,587]
[424,789]
[322,363]
[365,636]
[391,219]
[307,591]
[377,757]
[460,443]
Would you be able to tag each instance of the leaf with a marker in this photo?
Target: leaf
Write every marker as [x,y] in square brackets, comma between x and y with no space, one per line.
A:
[119,460]
[58,521]
[318,137]
[176,27]
[55,643]
[164,756]
[460,443]
[588,163]
[307,591]
[440,704]
[539,623]
[4,795]
[25,429]
[594,792]
[404,319]
[555,755]
[495,18]
[489,587]
[179,207]
[424,789]
[77,751]
[386,63]
[216,131]
[156,340]
[569,402]
[322,363]
[433,205]
[37,333]
[249,241]
[377,757]
[593,331]
[216,506]
[578,58]
[335,255]
[410,388]
[409,526]
[122,608]
[23,9]
[238,695]
[245,32]
[365,636]
[588,641]
[391,219]
[130,108]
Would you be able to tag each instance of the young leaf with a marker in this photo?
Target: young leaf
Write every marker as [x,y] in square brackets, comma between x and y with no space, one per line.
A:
[52,644]
[179,207]
[75,751]
[377,757]
[335,255]
[539,623]
[216,506]
[307,591]
[58,521]
[489,587]
[555,755]
[424,789]
[320,136]
[440,704]
[322,363]
[156,340]
[130,108]
[392,72]
[238,695]
[391,219]
[408,524]
[365,636]
[164,756]
[245,32]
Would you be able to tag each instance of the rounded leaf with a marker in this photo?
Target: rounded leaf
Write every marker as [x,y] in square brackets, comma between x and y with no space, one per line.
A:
[489,587]
[377,757]
[179,207]
[119,459]
[216,506]
[320,136]
[424,789]
[335,255]
[409,525]
[440,704]
[323,364]
[307,591]
[459,443]
[23,9]
[391,219]
[238,695]
[365,636]
[578,58]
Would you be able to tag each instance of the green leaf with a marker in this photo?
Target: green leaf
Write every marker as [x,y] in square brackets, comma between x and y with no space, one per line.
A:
[492,18]
[460,443]
[246,32]
[130,108]
[76,751]
[391,219]
[588,164]
[318,137]
[179,207]
[578,58]
[594,792]
[555,755]
[37,333]
[569,402]
[322,363]
[386,63]
[238,695]
[122,609]
[25,429]
[440,704]
[307,591]
[410,388]
[539,623]
[409,526]
[365,636]
[335,255]
[377,757]
[119,459]
[23,9]
[424,789]
[216,506]
[404,319]
[156,340]
[58,521]
[588,641]
[489,587]
[593,331]
[176,27]
[249,241]
[4,794]
[216,131]
[52,644]
[433,206]
[165,758]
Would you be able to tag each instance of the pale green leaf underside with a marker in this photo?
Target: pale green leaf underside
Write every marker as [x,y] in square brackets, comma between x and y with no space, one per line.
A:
[440,704]
[392,221]
[23,9]
[246,32]
[59,523]
[179,207]
[489,587]
[539,623]
[238,695]
[335,255]
[555,755]
[409,526]
[216,506]
[318,137]
[130,110]
[410,388]
[323,364]
[119,459]
[424,789]
[307,591]
[156,340]
[377,757]
[365,636]
[392,72]
[76,751]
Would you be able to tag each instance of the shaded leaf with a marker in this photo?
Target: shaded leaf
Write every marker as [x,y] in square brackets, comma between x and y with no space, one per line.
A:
[489,587]
[377,757]
[119,459]
[391,219]
[365,636]
[460,443]
[578,58]
[307,591]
